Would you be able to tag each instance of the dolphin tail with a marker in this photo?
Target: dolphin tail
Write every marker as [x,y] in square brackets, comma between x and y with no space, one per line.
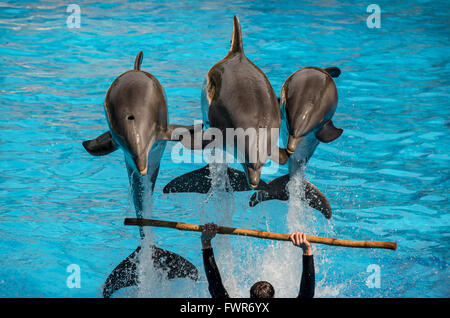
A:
[276,190]
[173,264]
[317,200]
[328,133]
[125,274]
[138,61]
[333,71]
[199,181]
[100,146]
[236,40]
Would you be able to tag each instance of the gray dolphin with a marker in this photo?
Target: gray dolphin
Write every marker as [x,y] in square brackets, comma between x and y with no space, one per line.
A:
[237,94]
[136,111]
[308,101]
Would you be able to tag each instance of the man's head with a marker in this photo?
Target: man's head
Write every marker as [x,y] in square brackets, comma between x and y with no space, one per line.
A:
[262,290]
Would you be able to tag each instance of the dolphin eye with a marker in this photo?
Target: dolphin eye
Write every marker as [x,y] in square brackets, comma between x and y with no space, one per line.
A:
[131,117]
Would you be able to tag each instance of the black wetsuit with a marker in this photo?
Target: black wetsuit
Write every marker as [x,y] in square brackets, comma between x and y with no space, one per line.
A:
[217,290]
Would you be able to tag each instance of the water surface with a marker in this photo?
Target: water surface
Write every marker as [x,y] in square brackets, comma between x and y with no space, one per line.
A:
[386,177]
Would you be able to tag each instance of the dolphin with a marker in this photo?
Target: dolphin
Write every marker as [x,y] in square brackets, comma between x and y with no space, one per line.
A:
[136,111]
[308,101]
[237,95]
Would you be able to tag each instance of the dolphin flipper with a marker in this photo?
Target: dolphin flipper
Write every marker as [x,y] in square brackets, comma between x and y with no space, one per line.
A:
[176,132]
[276,190]
[328,133]
[333,71]
[100,146]
[191,137]
[125,274]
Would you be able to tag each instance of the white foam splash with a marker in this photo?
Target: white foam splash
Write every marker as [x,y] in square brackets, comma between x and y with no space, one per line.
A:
[219,208]
[280,263]
[244,261]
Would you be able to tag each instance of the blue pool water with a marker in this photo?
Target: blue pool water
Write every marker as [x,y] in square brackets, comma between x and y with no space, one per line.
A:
[386,177]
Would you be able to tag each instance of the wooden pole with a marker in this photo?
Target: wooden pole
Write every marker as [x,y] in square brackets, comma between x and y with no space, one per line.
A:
[260,234]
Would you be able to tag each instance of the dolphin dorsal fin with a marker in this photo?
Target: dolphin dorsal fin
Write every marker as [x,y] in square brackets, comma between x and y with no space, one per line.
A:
[236,39]
[138,61]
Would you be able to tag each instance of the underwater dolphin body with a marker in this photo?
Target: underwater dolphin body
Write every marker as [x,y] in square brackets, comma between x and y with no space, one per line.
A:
[237,95]
[308,101]
[136,112]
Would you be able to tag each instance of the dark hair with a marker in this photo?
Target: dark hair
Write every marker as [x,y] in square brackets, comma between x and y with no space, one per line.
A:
[262,290]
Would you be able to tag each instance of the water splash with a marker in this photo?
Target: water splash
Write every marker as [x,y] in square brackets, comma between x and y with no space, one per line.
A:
[151,280]
[219,208]
[280,263]
[244,261]
[303,218]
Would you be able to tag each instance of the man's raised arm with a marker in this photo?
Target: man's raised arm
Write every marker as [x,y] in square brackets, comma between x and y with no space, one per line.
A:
[215,286]
[307,283]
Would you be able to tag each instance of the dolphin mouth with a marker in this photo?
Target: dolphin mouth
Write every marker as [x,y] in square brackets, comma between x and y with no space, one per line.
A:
[141,165]
[293,144]
[253,176]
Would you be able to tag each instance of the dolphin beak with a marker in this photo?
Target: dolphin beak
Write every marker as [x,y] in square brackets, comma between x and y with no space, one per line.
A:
[292,144]
[141,164]
[253,176]
[139,152]
[143,172]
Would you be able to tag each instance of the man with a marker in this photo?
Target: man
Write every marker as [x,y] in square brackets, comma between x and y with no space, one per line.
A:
[260,289]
